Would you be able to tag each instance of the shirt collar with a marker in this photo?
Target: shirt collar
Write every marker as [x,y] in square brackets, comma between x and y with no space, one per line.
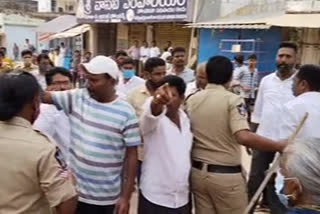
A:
[18,121]
[310,94]
[171,71]
[215,86]
[288,79]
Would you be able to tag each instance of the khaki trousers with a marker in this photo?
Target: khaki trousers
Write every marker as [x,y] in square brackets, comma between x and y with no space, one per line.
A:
[217,193]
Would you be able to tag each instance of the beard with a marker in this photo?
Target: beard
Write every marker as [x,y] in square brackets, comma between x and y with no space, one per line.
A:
[283,67]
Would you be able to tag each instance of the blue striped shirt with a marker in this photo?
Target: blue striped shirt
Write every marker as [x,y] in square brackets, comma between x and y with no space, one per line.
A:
[100,133]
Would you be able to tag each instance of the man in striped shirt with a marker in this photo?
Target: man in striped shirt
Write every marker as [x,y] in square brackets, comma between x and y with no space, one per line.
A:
[248,79]
[104,139]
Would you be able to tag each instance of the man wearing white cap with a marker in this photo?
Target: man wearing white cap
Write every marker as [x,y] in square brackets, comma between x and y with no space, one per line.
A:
[104,134]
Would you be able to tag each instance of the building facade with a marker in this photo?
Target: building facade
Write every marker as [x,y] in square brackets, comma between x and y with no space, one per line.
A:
[116,26]
[257,27]
[15,28]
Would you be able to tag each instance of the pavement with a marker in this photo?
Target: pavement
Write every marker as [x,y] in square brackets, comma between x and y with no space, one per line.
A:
[246,162]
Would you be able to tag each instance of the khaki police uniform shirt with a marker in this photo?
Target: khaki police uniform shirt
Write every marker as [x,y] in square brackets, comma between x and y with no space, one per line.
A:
[137,98]
[31,179]
[216,115]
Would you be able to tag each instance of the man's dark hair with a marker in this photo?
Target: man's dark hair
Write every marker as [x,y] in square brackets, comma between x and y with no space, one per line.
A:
[17,89]
[152,63]
[2,54]
[77,51]
[239,58]
[253,56]
[128,60]
[177,82]
[291,45]
[121,53]
[177,50]
[3,49]
[311,74]
[219,70]
[42,56]
[57,70]
[26,52]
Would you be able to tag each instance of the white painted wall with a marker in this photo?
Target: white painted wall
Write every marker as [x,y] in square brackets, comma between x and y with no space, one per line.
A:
[44,6]
[18,34]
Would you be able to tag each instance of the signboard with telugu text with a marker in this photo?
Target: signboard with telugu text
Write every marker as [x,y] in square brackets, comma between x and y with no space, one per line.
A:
[133,11]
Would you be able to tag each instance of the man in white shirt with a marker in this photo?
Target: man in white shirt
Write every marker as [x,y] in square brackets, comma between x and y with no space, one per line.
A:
[275,90]
[200,83]
[144,52]
[154,50]
[179,65]
[168,140]
[128,80]
[45,65]
[134,53]
[53,122]
[306,86]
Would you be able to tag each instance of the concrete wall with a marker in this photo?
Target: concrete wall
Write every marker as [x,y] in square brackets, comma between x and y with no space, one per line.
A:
[18,34]
[210,45]
[66,4]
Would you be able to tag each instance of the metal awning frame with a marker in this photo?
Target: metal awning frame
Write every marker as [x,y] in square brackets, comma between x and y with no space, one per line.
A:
[247,22]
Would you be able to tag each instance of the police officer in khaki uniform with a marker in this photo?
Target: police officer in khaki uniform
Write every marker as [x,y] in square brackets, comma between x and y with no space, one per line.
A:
[219,124]
[31,181]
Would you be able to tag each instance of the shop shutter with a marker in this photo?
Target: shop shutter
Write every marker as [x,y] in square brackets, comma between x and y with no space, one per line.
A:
[174,32]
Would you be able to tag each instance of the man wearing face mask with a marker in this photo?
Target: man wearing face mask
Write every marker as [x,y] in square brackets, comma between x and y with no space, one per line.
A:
[128,80]
[31,178]
[301,176]
[275,90]
[306,88]
[27,64]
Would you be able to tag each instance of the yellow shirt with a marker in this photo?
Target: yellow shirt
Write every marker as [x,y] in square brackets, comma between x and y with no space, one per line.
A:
[5,67]
[32,69]
[216,115]
[31,179]
[9,61]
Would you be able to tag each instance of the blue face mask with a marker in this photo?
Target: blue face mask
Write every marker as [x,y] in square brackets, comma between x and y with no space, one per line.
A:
[128,73]
[279,189]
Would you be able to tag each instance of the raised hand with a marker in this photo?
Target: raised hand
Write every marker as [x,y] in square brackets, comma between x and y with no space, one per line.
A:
[163,95]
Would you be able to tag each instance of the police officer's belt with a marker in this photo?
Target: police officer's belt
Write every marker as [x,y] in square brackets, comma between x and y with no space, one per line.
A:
[217,168]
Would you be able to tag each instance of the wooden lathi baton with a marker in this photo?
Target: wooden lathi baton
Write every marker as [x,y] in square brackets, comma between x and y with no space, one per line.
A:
[274,167]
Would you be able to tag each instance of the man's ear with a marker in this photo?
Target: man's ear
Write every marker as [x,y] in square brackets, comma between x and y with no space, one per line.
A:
[304,85]
[147,75]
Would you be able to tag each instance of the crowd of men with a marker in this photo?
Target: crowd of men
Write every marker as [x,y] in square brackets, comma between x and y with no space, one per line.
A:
[174,133]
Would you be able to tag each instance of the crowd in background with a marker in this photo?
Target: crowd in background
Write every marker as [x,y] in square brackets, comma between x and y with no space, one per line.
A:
[146,119]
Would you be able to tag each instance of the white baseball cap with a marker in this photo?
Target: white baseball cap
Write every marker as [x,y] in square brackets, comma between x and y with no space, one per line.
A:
[103,65]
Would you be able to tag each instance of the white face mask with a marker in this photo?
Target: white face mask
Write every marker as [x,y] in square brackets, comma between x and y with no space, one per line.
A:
[280,179]
[279,189]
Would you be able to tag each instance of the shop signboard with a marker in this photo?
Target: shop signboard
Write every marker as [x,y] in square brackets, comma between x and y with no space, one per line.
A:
[133,11]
